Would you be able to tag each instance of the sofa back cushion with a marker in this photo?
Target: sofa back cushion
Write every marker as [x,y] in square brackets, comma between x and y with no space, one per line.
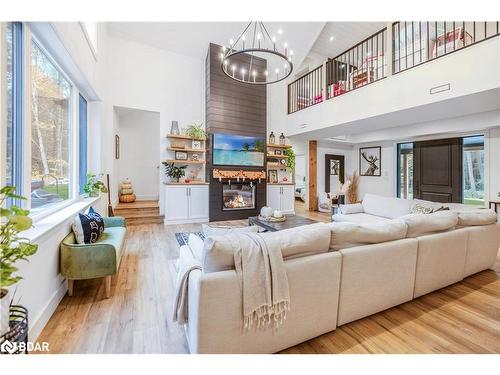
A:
[348,234]
[476,217]
[388,207]
[421,224]
[295,242]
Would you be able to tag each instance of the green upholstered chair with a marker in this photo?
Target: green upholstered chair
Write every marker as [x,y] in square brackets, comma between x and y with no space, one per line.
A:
[99,259]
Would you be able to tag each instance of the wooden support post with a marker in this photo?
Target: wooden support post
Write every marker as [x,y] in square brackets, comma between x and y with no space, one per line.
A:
[70,287]
[313,175]
[107,280]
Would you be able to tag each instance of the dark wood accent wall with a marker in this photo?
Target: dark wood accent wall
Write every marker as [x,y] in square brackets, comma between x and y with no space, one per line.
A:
[233,108]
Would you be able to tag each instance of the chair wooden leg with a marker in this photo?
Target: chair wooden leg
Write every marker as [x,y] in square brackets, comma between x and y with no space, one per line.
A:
[107,280]
[70,287]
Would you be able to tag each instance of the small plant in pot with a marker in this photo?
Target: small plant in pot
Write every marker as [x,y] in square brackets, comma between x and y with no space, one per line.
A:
[94,185]
[196,131]
[12,248]
[173,171]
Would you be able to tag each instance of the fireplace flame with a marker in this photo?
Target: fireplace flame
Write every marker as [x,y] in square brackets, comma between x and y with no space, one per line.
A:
[237,202]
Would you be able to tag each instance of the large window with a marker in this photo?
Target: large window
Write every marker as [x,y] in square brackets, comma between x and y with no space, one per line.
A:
[405,170]
[50,132]
[473,170]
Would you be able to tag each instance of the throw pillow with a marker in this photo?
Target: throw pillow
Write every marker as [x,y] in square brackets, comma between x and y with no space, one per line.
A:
[221,231]
[88,227]
[195,244]
[421,209]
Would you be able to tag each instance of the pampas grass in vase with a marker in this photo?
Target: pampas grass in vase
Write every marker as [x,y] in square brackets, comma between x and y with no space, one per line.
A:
[352,191]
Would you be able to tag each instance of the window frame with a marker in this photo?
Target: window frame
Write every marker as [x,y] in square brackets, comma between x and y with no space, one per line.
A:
[85,31]
[83,147]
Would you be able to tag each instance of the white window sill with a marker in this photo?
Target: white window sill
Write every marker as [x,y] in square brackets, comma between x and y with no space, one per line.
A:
[48,223]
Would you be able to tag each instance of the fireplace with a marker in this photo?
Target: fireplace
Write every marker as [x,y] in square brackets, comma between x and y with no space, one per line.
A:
[238,196]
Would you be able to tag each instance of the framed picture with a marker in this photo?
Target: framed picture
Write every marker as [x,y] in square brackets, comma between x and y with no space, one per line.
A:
[277,152]
[181,155]
[195,157]
[334,167]
[370,163]
[196,145]
[273,176]
[117,146]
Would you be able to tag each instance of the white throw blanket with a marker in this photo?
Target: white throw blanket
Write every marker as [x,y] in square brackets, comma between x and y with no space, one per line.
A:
[263,281]
[187,263]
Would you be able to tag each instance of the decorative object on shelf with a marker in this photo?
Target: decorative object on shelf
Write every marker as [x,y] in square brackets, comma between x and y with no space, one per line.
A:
[262,46]
[273,176]
[126,192]
[278,214]
[290,161]
[13,248]
[196,132]
[17,331]
[94,185]
[285,179]
[193,173]
[173,171]
[195,157]
[244,175]
[277,152]
[334,167]
[283,161]
[174,129]
[272,218]
[370,163]
[272,138]
[266,211]
[282,139]
[110,206]
[196,145]
[352,189]
[180,145]
[117,146]
[181,155]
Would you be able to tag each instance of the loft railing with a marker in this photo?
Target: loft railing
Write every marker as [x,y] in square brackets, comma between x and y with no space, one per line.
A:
[415,43]
[306,91]
[360,65]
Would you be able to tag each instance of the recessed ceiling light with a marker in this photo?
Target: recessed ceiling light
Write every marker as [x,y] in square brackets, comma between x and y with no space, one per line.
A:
[280,31]
[331,38]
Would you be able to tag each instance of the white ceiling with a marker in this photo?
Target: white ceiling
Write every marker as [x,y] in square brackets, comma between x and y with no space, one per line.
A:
[192,38]
[345,35]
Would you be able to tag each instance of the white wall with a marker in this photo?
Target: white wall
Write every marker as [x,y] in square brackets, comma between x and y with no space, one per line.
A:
[139,161]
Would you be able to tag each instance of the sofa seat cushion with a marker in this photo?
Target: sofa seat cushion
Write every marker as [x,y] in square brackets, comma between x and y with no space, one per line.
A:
[345,234]
[476,217]
[306,240]
[223,230]
[360,218]
[387,207]
[421,224]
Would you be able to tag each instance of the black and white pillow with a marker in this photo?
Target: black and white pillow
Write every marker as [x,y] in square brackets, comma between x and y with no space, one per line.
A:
[88,227]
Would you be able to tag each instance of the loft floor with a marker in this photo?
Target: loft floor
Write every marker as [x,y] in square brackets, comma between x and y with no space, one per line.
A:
[462,318]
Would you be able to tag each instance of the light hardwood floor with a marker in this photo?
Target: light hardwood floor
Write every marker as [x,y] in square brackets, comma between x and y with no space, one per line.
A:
[462,318]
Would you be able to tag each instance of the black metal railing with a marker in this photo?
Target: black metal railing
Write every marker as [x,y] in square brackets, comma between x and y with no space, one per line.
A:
[362,64]
[306,91]
[414,43]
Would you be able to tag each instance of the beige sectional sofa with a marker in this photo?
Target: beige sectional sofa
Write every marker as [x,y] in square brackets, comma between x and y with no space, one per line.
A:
[339,273]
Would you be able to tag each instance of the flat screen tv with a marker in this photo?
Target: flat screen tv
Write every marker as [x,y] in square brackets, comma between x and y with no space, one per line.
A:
[238,150]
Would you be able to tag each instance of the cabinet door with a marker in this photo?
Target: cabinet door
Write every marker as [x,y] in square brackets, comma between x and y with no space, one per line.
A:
[288,199]
[176,203]
[274,196]
[198,202]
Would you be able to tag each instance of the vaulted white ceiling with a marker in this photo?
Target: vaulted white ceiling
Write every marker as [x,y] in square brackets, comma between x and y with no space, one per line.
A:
[192,38]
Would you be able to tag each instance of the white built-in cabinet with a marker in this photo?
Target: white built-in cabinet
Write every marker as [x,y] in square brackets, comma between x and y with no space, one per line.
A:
[281,197]
[186,204]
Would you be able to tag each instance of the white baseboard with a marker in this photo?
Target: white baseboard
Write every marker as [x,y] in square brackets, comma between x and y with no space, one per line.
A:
[37,324]
[185,221]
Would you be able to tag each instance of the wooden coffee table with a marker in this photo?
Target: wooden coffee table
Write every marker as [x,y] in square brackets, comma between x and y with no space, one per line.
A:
[291,221]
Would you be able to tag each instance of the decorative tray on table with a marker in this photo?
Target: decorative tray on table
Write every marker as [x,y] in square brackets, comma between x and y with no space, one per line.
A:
[272,219]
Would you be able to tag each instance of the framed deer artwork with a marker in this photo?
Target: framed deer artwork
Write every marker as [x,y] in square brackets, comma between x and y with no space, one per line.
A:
[370,161]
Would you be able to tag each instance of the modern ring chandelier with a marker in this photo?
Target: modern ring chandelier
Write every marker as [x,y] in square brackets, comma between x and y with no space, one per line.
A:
[256,61]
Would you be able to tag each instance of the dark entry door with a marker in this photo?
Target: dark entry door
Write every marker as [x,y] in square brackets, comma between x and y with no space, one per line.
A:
[437,168]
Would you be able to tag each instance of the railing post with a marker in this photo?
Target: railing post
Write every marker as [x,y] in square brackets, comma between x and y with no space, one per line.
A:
[388,49]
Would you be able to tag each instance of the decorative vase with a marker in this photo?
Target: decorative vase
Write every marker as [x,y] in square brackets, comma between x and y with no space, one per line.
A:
[282,139]
[4,312]
[272,138]
[93,194]
[175,128]
[266,211]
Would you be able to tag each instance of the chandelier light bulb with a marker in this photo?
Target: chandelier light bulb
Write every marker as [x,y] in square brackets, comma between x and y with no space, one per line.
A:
[231,41]
[224,49]
[265,73]
[243,37]
[291,52]
[225,62]
[221,56]
[259,36]
[254,73]
[285,45]
[274,39]
[277,70]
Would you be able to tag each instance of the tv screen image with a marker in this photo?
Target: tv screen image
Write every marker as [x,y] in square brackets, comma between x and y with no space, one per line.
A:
[229,149]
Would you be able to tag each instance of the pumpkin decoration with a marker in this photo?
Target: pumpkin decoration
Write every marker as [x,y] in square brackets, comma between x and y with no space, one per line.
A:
[127,192]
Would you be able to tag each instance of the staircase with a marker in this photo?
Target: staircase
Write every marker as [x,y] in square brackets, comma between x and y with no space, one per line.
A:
[140,212]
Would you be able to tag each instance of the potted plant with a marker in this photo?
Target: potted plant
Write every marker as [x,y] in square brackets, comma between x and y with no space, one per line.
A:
[12,248]
[173,171]
[290,162]
[196,131]
[94,185]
